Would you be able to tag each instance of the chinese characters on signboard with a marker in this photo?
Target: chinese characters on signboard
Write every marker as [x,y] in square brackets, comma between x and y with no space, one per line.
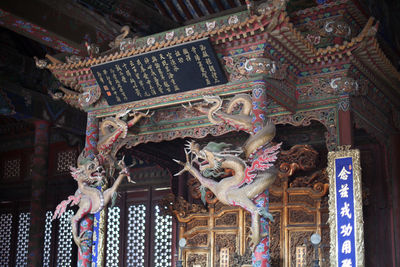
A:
[345,211]
[166,71]
[345,208]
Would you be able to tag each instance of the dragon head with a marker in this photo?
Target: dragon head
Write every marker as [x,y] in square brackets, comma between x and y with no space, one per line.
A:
[89,171]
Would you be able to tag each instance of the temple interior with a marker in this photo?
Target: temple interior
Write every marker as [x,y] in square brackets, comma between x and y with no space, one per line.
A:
[200,133]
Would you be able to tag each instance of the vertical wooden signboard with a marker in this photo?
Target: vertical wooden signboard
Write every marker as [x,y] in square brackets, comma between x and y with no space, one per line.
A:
[345,208]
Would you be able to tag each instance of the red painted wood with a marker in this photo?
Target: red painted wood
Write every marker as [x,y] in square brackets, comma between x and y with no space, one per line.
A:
[345,128]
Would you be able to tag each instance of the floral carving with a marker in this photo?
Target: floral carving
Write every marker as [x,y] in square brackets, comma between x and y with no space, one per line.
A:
[301,216]
[195,223]
[233,20]
[227,219]
[275,235]
[198,240]
[298,239]
[169,36]
[197,259]
[189,31]
[210,25]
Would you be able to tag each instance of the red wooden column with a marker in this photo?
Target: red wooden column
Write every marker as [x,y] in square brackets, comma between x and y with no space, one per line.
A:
[38,199]
[86,224]
[261,256]
[345,125]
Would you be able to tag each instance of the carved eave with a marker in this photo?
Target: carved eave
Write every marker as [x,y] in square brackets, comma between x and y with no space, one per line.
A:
[370,54]
[273,28]
[245,26]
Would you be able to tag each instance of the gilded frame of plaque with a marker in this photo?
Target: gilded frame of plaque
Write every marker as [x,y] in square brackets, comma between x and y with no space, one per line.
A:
[344,172]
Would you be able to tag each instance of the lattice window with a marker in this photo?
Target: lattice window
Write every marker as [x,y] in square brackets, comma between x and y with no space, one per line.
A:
[163,239]
[12,168]
[23,239]
[47,239]
[65,159]
[136,235]
[5,238]
[113,236]
[224,257]
[64,246]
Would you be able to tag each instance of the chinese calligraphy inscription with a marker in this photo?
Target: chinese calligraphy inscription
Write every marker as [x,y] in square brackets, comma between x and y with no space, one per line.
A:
[166,71]
[345,209]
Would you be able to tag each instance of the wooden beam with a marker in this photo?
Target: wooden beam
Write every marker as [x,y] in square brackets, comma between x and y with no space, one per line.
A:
[185,9]
[174,11]
[161,7]
[196,8]
[208,6]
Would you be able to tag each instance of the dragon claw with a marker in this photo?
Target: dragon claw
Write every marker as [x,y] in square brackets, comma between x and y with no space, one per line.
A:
[265,214]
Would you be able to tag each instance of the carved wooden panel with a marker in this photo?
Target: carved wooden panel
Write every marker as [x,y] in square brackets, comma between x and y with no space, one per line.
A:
[196,222]
[198,240]
[194,259]
[301,199]
[298,239]
[228,219]
[225,240]
[301,216]
[275,237]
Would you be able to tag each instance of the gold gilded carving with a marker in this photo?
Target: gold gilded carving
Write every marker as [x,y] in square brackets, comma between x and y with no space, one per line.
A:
[318,177]
[274,199]
[198,240]
[301,199]
[194,259]
[228,219]
[195,223]
[275,236]
[298,239]
[301,157]
[179,207]
[218,207]
[226,241]
[301,216]
[242,260]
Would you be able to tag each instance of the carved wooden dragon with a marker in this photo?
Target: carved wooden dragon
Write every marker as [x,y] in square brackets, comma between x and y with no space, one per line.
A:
[89,175]
[93,173]
[113,129]
[251,175]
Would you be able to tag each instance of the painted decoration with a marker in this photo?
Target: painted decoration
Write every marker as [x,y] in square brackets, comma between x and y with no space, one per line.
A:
[166,71]
[345,208]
